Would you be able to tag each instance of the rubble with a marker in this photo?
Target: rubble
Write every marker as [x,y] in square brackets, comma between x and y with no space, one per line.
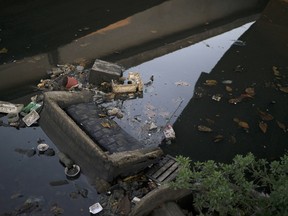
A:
[6,107]
[134,84]
[103,71]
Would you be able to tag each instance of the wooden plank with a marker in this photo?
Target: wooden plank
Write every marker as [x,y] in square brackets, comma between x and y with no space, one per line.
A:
[163,168]
[157,166]
[168,172]
[172,176]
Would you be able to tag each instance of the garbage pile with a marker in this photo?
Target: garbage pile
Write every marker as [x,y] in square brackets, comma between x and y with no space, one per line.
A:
[121,198]
[110,89]
[20,116]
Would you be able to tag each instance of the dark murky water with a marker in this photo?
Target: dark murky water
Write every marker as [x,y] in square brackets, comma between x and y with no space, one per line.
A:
[24,177]
[175,75]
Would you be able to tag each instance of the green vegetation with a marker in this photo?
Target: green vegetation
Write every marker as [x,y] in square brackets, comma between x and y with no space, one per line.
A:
[247,186]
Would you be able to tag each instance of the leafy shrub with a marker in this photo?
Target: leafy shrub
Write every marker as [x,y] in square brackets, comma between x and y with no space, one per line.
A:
[247,186]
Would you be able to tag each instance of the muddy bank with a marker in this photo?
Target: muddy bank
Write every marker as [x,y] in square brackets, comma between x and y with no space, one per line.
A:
[250,65]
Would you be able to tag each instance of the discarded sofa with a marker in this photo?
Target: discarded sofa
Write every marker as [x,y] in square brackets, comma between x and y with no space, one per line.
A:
[70,138]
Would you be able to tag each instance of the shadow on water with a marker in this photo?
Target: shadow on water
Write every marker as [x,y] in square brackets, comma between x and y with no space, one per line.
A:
[28,28]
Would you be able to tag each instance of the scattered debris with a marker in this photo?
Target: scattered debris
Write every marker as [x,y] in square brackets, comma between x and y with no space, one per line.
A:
[210,82]
[95,208]
[152,126]
[106,124]
[114,111]
[218,138]
[134,84]
[239,69]
[276,71]
[239,99]
[264,115]
[136,200]
[169,132]
[228,89]
[250,91]
[239,43]
[241,124]
[282,126]
[103,71]
[151,80]
[56,210]
[263,126]
[70,82]
[216,97]
[203,128]
[72,172]
[6,107]
[227,82]
[284,89]
[42,147]
[31,118]
[181,83]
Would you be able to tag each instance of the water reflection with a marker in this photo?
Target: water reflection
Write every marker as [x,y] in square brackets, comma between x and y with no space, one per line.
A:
[175,75]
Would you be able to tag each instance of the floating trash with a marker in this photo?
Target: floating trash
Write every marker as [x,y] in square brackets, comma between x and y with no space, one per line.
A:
[181,83]
[281,125]
[218,138]
[72,172]
[263,126]
[31,118]
[203,128]
[228,89]
[6,107]
[216,97]
[250,91]
[134,84]
[264,115]
[42,147]
[210,82]
[239,43]
[95,208]
[227,82]
[276,71]
[169,132]
[241,123]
